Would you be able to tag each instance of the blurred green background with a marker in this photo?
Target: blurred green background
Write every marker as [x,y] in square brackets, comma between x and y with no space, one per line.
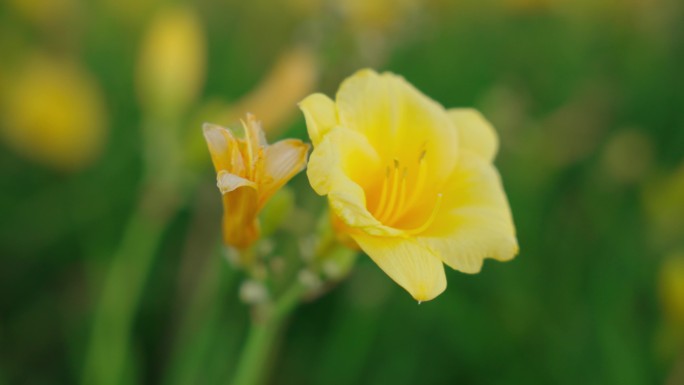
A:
[104,173]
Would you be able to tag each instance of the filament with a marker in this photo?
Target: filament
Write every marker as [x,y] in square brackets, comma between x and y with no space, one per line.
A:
[395,200]
[431,218]
[386,209]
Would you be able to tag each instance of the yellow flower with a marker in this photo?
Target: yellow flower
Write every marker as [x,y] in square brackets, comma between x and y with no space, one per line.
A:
[249,172]
[412,183]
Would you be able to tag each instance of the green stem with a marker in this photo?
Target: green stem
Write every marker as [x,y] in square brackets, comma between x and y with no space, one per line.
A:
[262,336]
[200,321]
[108,351]
[108,348]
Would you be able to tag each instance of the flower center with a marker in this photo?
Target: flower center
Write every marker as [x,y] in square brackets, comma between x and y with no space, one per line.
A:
[395,201]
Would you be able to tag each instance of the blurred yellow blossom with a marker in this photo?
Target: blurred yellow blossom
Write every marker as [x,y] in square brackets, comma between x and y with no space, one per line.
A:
[47,13]
[171,67]
[54,113]
[274,99]
[527,5]
[292,77]
[249,172]
[663,198]
[412,183]
[130,12]
[306,8]
[672,288]
[377,15]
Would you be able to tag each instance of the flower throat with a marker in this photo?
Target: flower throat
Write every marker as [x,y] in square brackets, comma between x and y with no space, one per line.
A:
[395,201]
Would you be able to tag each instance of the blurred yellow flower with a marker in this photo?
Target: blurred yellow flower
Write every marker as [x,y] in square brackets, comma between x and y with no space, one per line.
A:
[378,14]
[47,13]
[54,113]
[273,100]
[172,61]
[664,207]
[672,288]
[249,172]
[412,183]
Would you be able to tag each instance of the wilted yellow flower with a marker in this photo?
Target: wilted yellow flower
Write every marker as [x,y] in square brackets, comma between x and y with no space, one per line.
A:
[412,183]
[249,172]
[54,113]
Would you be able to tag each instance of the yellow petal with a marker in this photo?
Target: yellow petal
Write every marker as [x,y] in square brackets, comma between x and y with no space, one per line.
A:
[240,225]
[399,121]
[253,132]
[475,132]
[252,148]
[282,161]
[342,156]
[228,182]
[475,220]
[223,148]
[240,208]
[338,165]
[320,114]
[412,266]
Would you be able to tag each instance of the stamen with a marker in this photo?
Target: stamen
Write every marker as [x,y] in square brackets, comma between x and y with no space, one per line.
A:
[250,151]
[394,202]
[383,195]
[428,222]
[387,209]
[422,154]
[420,181]
[399,208]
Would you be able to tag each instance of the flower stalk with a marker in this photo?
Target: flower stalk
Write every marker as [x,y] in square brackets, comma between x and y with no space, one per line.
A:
[268,322]
[105,361]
